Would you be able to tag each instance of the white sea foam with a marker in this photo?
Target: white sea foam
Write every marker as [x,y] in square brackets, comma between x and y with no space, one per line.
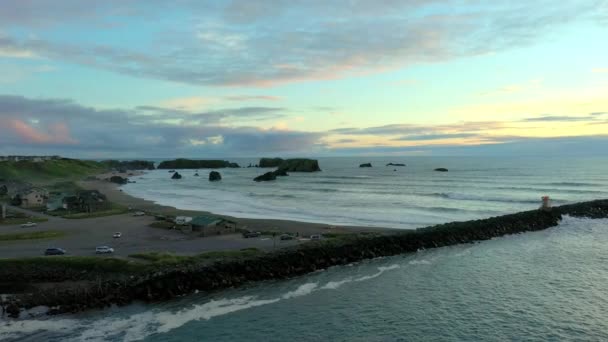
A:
[332,285]
[301,291]
[420,262]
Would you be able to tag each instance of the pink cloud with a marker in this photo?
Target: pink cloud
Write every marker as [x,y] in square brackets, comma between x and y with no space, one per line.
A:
[57,133]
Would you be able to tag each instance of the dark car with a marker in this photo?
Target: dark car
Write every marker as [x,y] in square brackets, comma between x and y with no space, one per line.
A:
[54,251]
[251,234]
[286,237]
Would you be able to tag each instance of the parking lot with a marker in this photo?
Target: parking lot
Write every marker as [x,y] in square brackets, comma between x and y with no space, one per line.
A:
[82,236]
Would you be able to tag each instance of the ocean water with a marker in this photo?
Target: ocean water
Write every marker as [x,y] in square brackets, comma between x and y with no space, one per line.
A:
[541,286]
[384,196]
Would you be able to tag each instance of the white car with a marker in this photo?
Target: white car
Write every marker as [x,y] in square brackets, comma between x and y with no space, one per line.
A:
[29,224]
[117,235]
[139,213]
[104,250]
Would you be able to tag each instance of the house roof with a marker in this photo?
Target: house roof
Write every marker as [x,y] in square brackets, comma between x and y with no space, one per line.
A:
[205,220]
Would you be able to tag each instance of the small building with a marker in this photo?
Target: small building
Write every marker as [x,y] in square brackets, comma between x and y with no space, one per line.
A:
[31,198]
[212,225]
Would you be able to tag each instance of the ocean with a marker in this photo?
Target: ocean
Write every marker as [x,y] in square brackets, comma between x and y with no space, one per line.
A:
[384,196]
[547,285]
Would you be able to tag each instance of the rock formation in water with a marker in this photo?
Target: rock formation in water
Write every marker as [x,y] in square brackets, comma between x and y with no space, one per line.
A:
[268,176]
[300,165]
[176,176]
[196,164]
[280,173]
[441,169]
[271,162]
[214,176]
[395,164]
[366,165]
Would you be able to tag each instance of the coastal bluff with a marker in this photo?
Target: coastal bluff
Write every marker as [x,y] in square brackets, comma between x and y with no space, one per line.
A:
[179,279]
[196,164]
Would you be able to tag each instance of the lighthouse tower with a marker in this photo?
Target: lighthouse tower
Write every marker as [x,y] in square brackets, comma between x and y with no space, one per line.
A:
[546,206]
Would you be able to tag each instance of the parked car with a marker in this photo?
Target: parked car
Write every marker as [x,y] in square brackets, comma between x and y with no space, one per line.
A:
[117,235]
[54,251]
[139,213]
[104,250]
[28,224]
[315,237]
[250,234]
[286,237]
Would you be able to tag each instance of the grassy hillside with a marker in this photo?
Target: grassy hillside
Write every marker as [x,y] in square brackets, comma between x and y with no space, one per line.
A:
[48,171]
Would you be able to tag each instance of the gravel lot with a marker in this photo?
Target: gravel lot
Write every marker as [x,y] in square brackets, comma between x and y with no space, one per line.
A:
[83,235]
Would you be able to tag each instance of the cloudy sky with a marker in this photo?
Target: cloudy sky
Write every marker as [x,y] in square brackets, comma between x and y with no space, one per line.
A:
[128,78]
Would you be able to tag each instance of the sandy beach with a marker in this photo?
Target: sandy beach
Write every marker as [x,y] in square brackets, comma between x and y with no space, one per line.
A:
[116,195]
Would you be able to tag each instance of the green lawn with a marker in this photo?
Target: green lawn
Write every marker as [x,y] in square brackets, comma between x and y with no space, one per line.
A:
[110,212]
[50,234]
[52,170]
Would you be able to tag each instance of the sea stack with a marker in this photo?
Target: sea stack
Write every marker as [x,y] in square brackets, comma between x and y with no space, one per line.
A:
[215,176]
[176,175]
[441,169]
[366,165]
[268,176]
[300,165]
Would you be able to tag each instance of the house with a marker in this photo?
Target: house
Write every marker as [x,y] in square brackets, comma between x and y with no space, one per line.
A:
[212,225]
[86,201]
[92,200]
[31,197]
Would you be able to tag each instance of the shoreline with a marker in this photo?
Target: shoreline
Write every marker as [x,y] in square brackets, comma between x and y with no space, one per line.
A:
[170,281]
[117,195]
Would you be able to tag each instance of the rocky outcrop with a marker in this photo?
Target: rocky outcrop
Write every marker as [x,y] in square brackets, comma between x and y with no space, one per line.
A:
[118,180]
[196,164]
[215,176]
[268,176]
[176,280]
[441,169]
[300,165]
[395,164]
[176,176]
[280,173]
[129,164]
[271,162]
[366,165]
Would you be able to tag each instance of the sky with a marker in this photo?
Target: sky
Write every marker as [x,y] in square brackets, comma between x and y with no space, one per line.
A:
[191,78]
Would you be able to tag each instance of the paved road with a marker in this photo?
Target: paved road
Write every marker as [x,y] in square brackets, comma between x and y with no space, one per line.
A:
[83,235]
